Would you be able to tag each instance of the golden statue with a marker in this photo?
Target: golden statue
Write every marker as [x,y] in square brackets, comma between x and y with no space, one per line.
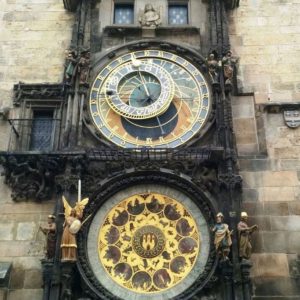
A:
[222,237]
[72,225]
[245,232]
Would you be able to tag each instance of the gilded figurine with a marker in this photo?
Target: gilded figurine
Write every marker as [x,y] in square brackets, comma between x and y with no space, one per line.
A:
[72,225]
[245,232]
[150,17]
[228,66]
[222,237]
[50,232]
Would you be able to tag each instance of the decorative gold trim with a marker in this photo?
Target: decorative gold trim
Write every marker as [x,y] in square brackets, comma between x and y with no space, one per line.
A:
[148,243]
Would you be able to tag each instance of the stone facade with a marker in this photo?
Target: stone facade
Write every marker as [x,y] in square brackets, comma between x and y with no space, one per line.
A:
[33,39]
[265,36]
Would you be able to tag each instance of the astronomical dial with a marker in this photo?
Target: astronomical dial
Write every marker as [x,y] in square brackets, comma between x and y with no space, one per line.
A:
[149,98]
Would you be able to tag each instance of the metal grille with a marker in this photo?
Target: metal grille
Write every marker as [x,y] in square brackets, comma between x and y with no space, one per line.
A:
[41,133]
[123,14]
[32,134]
[178,14]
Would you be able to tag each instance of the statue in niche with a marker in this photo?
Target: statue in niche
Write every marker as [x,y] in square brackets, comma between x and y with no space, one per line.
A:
[150,17]
[72,225]
[228,66]
[245,232]
[71,66]
[50,232]
[84,68]
[222,237]
[213,68]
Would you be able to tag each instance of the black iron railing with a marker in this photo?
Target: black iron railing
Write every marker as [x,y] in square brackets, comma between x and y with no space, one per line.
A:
[38,134]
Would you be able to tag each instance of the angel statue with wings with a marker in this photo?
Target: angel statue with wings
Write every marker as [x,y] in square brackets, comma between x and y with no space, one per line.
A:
[72,225]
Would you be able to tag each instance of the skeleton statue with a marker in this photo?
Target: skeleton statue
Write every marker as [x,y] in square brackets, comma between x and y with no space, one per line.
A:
[213,68]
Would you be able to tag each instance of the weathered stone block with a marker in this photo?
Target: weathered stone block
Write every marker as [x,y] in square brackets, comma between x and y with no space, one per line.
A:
[276,208]
[269,265]
[26,294]
[17,278]
[247,149]
[280,178]
[26,231]
[294,207]
[275,241]
[253,208]
[294,242]
[257,242]
[6,231]
[278,193]
[263,164]
[289,164]
[250,195]
[280,286]
[33,279]
[290,223]
[246,137]
[263,222]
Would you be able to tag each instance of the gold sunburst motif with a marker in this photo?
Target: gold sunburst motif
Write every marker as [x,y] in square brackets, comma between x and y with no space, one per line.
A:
[148,244]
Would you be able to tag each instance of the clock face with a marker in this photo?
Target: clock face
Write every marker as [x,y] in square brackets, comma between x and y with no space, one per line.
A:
[148,242]
[149,98]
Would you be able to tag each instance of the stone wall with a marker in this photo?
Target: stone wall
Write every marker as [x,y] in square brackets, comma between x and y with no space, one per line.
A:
[266,37]
[33,37]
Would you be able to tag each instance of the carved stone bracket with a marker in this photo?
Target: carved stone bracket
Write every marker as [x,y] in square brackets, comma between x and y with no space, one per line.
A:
[31,177]
[37,176]
[230,181]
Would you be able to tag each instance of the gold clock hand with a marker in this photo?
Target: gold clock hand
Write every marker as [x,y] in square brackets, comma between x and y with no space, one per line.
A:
[144,83]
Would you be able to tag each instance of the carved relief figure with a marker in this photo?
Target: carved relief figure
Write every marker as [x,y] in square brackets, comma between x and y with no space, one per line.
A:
[50,232]
[150,17]
[71,64]
[228,65]
[245,232]
[72,225]
[222,237]
[84,68]
[213,68]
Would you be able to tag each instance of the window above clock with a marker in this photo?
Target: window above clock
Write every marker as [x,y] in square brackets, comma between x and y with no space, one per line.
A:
[178,13]
[123,13]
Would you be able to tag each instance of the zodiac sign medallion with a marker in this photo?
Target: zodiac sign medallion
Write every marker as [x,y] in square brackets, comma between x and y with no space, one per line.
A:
[148,243]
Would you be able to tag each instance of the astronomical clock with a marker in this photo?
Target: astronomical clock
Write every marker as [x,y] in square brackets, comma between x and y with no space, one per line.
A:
[149,237]
[149,98]
[141,125]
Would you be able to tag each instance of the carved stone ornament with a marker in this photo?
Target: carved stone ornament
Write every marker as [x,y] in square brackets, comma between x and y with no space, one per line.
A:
[150,17]
[292,118]
[41,91]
